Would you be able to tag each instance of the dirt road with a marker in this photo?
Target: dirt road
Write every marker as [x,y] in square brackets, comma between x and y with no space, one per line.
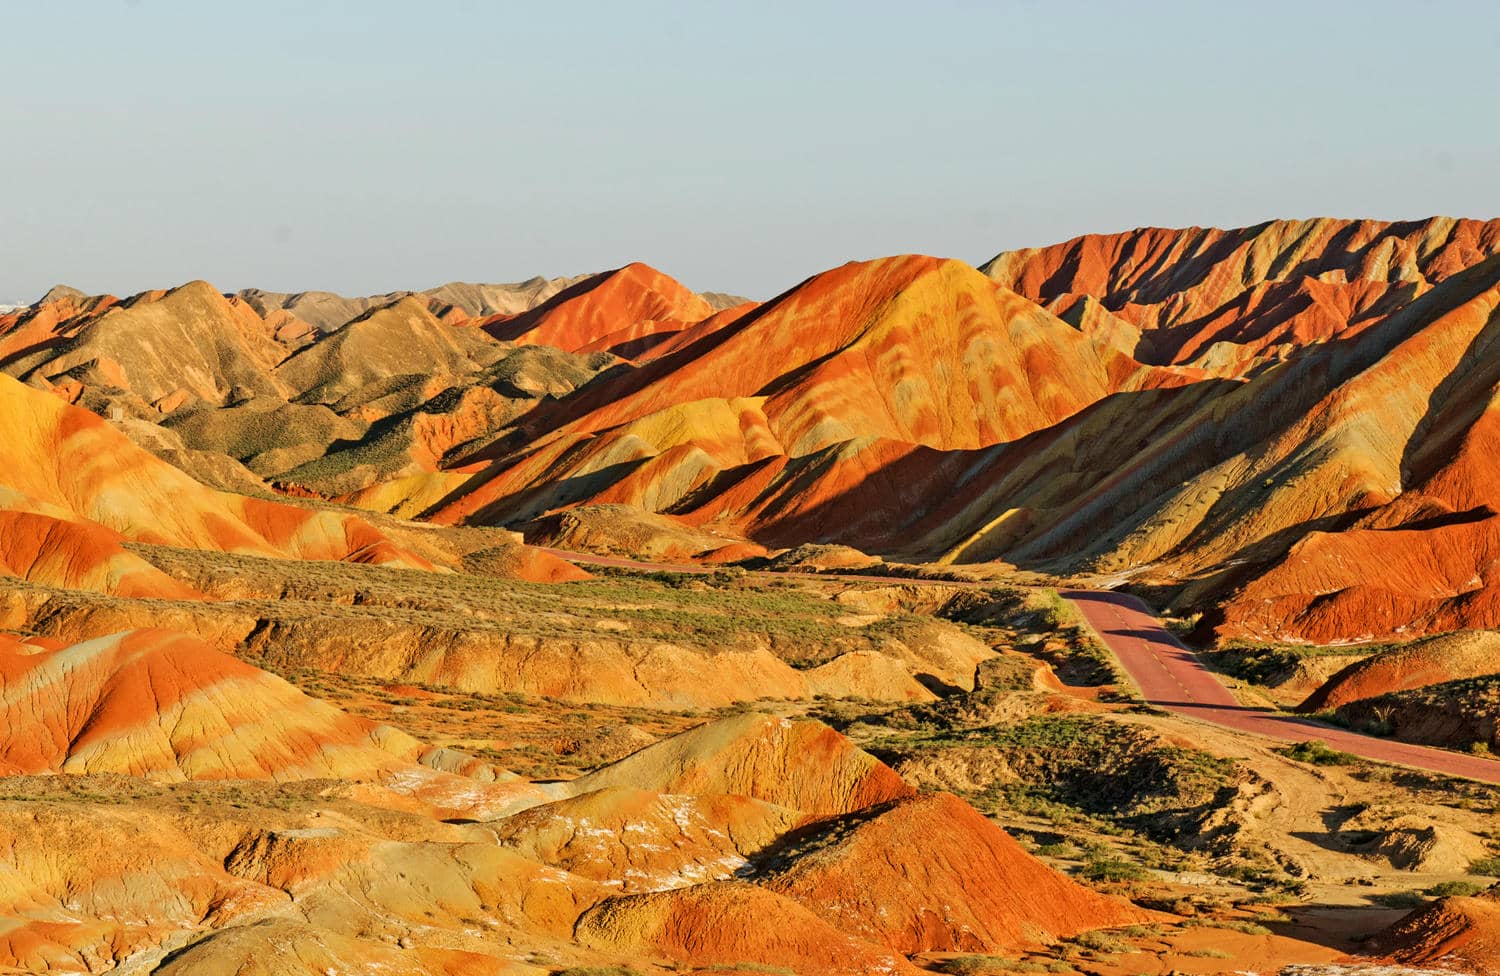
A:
[1171,677]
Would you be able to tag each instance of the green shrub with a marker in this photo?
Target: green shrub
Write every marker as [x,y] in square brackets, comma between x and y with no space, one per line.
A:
[1060,849]
[1486,866]
[1097,941]
[974,965]
[1446,888]
[1316,752]
[1113,869]
[1231,924]
[1400,899]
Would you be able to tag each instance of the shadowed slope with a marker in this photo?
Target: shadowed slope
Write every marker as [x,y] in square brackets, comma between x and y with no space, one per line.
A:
[912,349]
[1257,291]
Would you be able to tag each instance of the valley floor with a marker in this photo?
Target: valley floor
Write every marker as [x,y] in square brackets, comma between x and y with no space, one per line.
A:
[451,776]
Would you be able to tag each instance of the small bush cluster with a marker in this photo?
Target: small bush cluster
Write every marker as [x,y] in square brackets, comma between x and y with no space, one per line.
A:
[1486,867]
[1113,869]
[1448,888]
[1318,753]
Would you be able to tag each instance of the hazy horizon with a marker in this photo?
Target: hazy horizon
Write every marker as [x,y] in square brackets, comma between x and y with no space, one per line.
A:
[366,148]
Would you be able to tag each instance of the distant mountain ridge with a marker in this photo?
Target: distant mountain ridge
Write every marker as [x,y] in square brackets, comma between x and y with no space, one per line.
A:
[1238,416]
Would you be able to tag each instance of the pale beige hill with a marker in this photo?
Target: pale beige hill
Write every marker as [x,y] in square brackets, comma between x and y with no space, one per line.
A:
[719,301]
[209,468]
[403,340]
[401,455]
[544,371]
[61,293]
[480,300]
[327,311]
[323,310]
[189,341]
[629,531]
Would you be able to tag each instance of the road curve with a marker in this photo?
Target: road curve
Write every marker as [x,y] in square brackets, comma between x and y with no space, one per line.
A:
[1171,677]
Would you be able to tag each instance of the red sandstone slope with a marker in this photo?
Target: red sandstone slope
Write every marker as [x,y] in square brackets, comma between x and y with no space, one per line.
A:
[917,348]
[992,895]
[606,311]
[1417,435]
[69,464]
[79,556]
[728,923]
[1449,933]
[1259,291]
[1347,488]
[863,872]
[45,322]
[913,350]
[159,704]
[911,407]
[1450,657]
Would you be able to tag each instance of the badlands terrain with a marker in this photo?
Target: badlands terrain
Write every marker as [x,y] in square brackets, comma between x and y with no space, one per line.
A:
[1127,605]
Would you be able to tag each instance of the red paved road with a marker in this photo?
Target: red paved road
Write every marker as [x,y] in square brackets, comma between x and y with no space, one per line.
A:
[1170,676]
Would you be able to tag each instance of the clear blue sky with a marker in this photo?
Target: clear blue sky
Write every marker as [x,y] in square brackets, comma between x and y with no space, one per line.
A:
[369,146]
